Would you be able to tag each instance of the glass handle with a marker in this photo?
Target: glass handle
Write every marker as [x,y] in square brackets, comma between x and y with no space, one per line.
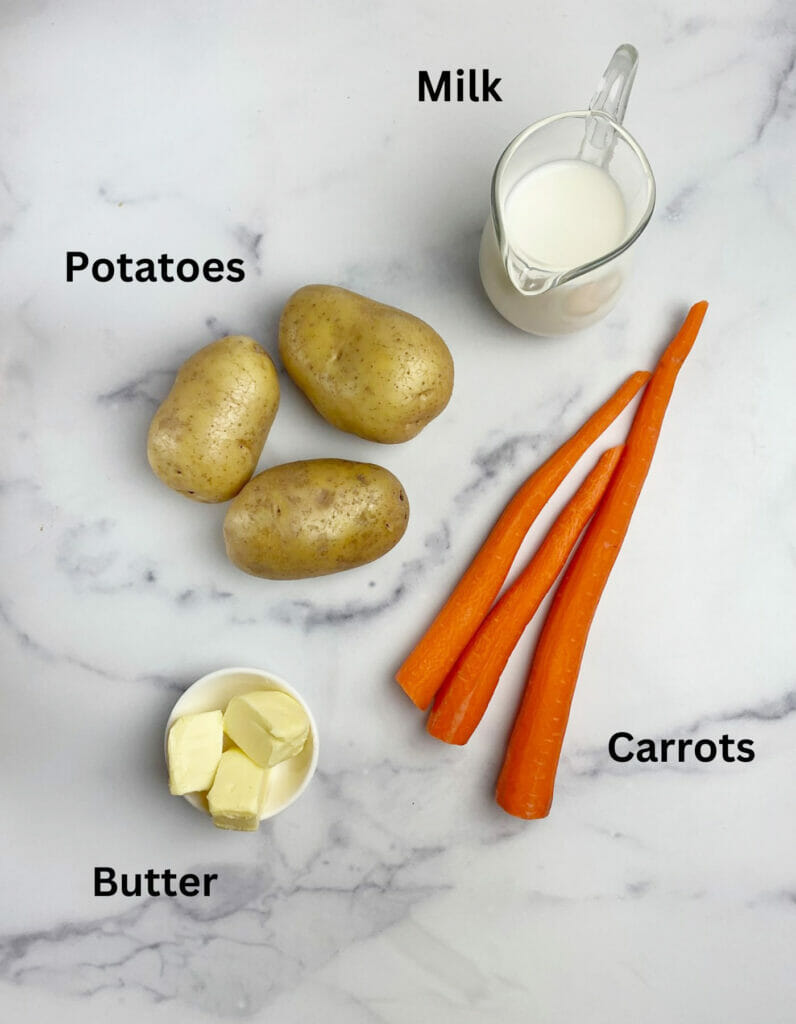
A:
[613,92]
[610,100]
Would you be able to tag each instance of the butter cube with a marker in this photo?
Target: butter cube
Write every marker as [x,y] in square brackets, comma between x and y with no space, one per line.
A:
[238,792]
[268,725]
[194,750]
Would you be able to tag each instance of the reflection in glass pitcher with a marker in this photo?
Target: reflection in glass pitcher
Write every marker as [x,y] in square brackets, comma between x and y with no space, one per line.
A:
[570,196]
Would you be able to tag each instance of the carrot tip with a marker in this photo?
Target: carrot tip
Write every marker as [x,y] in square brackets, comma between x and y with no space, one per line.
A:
[526,812]
[416,699]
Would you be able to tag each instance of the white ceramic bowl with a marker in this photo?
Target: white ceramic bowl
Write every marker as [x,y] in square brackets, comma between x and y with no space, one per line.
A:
[287,781]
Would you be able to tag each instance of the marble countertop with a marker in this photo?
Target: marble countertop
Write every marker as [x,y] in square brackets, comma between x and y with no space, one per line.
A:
[395,890]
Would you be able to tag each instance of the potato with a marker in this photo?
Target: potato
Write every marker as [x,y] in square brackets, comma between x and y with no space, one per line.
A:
[205,439]
[313,518]
[368,369]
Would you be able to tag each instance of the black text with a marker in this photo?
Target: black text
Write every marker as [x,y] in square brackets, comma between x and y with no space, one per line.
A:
[145,270]
[474,85]
[150,883]
[623,746]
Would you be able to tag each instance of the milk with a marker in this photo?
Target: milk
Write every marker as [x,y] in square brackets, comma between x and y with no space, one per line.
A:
[564,213]
[558,216]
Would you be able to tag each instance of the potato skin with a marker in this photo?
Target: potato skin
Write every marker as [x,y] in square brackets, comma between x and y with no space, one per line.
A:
[369,369]
[315,517]
[206,438]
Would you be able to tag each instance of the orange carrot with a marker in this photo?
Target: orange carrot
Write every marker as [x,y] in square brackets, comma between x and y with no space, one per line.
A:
[525,785]
[461,702]
[424,671]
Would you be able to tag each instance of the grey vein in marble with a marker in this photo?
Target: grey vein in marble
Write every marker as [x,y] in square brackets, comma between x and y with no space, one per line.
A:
[150,388]
[217,328]
[782,101]
[251,242]
[107,195]
[50,656]
[680,204]
[25,640]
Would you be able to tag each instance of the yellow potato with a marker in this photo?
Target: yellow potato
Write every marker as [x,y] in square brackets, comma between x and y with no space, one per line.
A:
[205,439]
[313,518]
[369,369]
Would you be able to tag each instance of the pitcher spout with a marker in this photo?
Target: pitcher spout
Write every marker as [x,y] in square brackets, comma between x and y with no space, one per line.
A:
[527,280]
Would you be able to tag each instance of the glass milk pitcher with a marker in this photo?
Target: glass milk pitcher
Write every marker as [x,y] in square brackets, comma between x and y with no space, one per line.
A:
[570,196]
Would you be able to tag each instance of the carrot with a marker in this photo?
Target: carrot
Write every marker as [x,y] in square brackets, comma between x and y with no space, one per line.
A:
[424,671]
[465,694]
[527,778]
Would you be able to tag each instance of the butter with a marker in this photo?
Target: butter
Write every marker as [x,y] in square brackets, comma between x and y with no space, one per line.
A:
[238,792]
[194,750]
[268,725]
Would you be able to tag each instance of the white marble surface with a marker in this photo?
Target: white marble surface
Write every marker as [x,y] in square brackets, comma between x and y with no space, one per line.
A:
[395,890]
